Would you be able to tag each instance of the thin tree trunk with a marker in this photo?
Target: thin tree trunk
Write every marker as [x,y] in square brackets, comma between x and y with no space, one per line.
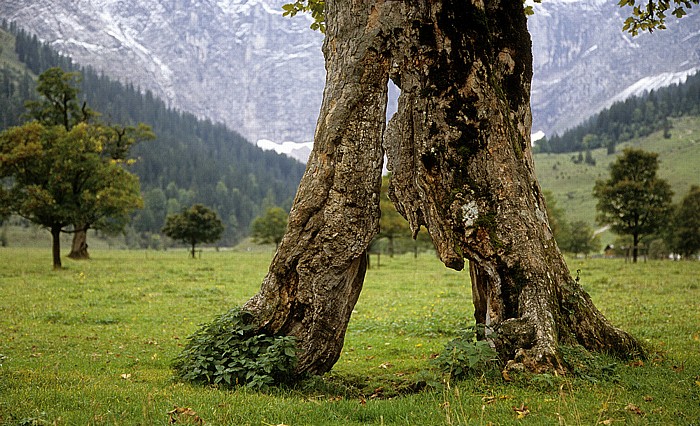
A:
[317,273]
[56,246]
[79,247]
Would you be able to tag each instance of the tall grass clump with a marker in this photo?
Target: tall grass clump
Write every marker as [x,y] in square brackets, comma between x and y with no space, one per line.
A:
[228,352]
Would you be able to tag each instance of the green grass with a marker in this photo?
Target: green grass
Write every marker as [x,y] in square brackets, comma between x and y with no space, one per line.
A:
[92,344]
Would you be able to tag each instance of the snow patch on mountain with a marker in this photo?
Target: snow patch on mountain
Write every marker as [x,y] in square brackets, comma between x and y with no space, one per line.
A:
[647,84]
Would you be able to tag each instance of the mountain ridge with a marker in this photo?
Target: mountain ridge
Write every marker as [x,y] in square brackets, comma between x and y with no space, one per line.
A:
[240,62]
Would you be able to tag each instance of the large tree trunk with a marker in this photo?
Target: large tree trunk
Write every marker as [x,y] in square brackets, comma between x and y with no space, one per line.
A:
[79,247]
[317,273]
[459,150]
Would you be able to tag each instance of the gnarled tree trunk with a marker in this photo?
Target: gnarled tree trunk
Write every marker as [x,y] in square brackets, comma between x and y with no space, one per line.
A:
[317,273]
[79,247]
[459,151]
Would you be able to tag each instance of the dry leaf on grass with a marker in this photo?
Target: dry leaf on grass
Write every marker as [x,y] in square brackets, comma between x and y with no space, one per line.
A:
[634,409]
[522,411]
[186,415]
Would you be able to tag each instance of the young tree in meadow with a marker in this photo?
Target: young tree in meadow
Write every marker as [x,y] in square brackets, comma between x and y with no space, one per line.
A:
[580,239]
[685,225]
[196,225]
[269,228]
[51,174]
[391,224]
[59,105]
[634,201]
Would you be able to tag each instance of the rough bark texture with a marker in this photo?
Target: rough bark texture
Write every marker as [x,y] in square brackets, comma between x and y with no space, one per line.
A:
[459,152]
[317,273]
[79,247]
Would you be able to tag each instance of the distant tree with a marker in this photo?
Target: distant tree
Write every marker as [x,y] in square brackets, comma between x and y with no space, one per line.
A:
[193,226]
[633,201]
[391,224]
[270,227]
[51,174]
[556,216]
[685,226]
[580,239]
[58,105]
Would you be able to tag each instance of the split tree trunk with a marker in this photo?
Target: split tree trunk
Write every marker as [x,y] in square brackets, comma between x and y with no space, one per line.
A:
[459,151]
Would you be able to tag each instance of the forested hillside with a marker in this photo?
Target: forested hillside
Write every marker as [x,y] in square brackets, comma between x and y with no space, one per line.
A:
[635,117]
[190,161]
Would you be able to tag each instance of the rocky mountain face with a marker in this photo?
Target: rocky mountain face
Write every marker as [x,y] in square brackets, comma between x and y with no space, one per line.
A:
[234,61]
[583,62]
[242,63]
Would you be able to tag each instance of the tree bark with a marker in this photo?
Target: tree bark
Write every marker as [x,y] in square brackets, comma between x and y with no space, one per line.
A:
[317,273]
[79,247]
[459,151]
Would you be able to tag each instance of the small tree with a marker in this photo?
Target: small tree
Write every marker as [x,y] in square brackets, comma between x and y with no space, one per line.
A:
[270,228]
[685,226]
[193,226]
[634,201]
[580,239]
[51,174]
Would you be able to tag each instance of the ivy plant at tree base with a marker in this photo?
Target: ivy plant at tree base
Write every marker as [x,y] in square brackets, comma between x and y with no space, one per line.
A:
[230,352]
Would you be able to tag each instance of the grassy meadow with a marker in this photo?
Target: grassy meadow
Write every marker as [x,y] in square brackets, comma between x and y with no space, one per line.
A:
[572,184]
[92,345]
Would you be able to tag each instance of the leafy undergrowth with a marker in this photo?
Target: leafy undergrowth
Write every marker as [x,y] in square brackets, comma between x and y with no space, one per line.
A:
[93,344]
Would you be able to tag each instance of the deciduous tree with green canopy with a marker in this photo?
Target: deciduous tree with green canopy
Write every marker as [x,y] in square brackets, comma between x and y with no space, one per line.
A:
[634,201]
[59,106]
[685,225]
[56,178]
[270,227]
[193,226]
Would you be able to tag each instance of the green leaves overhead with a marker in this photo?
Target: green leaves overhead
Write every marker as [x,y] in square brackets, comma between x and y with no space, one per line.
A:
[651,14]
[317,9]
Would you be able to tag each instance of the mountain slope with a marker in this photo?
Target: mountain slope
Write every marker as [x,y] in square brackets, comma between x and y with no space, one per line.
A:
[583,61]
[572,184]
[241,62]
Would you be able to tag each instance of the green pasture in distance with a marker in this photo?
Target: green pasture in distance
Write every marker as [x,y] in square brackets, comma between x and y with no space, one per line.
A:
[92,344]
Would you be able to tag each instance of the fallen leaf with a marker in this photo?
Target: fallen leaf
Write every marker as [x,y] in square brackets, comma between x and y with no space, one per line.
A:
[126,376]
[648,398]
[634,409]
[363,401]
[189,416]
[386,365]
[522,411]
[637,363]
[606,422]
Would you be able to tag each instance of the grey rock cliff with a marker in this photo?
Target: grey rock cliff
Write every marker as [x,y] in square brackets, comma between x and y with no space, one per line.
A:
[242,63]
